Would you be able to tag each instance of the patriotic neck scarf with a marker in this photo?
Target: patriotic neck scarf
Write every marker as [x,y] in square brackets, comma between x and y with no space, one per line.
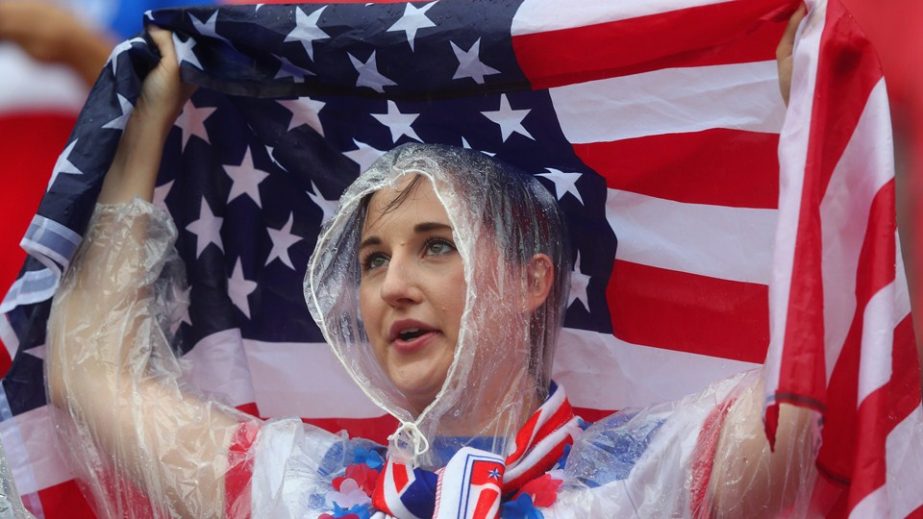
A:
[474,482]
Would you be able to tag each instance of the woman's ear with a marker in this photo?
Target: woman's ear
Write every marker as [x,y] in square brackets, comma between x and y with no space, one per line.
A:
[540,272]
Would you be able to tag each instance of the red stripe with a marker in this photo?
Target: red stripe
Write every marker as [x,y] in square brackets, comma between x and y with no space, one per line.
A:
[560,417]
[847,66]
[485,505]
[399,473]
[64,500]
[704,458]
[240,471]
[544,465]
[30,146]
[686,312]
[718,167]
[523,438]
[731,32]
[874,271]
[881,411]
[375,429]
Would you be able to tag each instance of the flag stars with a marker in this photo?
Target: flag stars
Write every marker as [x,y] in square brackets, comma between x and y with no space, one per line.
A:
[327,207]
[119,49]
[494,474]
[185,51]
[398,123]
[207,229]
[64,165]
[467,146]
[413,20]
[369,76]
[564,183]
[470,64]
[282,240]
[305,111]
[179,313]
[192,122]
[246,179]
[161,193]
[509,120]
[289,69]
[364,155]
[578,286]
[119,122]
[240,288]
[207,28]
[306,30]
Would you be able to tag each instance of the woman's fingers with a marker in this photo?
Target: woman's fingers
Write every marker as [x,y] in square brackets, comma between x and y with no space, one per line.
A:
[784,52]
[164,93]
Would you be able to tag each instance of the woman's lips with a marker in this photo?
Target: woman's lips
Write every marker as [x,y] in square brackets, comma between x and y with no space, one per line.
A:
[415,344]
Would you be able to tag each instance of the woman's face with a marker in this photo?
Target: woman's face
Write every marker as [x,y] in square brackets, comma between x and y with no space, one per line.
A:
[412,289]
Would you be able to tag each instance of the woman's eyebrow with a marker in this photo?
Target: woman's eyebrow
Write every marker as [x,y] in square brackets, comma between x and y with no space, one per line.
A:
[370,241]
[431,226]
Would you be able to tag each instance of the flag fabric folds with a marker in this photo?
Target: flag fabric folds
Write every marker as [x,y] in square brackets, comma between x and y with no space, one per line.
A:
[742,229]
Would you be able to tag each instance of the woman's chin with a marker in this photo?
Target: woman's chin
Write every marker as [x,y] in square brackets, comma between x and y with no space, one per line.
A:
[419,393]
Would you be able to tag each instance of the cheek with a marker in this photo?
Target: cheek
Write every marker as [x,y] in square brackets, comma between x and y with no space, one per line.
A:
[369,312]
[454,303]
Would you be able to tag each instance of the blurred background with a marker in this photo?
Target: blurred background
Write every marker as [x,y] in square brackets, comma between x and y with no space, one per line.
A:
[51,52]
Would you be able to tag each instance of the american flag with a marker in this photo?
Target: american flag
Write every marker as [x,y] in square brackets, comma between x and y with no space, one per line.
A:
[659,122]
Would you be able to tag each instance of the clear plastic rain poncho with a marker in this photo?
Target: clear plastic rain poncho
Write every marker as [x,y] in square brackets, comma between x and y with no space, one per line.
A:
[502,360]
[144,444]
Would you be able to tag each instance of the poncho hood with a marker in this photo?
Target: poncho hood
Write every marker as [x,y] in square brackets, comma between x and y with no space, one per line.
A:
[500,219]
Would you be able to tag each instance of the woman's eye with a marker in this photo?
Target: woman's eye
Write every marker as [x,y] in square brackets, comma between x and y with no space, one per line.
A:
[439,247]
[374,261]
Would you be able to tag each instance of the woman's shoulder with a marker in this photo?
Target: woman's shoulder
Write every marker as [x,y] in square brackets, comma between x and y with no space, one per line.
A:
[650,460]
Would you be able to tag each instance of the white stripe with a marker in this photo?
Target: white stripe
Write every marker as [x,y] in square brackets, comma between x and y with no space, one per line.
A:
[877,343]
[29,440]
[551,406]
[904,453]
[541,449]
[217,366]
[888,307]
[45,254]
[597,370]
[8,336]
[709,240]
[866,165]
[304,379]
[536,16]
[872,506]
[30,86]
[676,100]
[793,152]
[20,294]
[392,495]
[602,372]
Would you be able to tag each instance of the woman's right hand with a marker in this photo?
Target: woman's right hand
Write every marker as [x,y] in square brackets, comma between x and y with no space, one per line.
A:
[134,168]
[163,93]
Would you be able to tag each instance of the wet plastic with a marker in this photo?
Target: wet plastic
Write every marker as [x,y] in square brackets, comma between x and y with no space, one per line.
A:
[500,220]
[144,444]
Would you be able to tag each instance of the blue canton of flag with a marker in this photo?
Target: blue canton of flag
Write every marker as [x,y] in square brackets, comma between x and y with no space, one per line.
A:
[297,100]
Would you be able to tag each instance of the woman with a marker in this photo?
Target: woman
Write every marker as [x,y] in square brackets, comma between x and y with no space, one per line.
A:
[440,285]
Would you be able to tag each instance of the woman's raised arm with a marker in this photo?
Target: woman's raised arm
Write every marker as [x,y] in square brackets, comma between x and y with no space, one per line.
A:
[126,422]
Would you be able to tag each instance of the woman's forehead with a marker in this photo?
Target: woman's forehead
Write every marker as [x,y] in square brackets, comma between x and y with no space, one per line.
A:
[412,197]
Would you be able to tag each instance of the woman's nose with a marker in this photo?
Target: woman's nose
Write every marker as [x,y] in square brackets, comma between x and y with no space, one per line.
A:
[400,285]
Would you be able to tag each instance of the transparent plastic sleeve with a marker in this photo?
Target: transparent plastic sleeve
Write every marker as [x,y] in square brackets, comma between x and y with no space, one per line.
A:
[141,443]
[701,456]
